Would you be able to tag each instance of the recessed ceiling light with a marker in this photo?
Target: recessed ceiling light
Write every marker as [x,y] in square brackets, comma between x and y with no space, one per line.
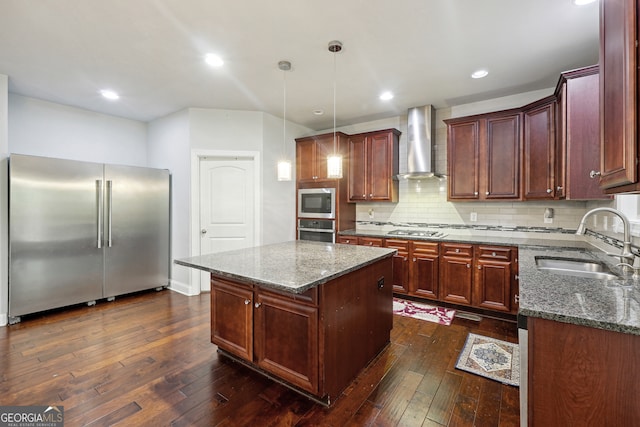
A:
[385,96]
[213,60]
[582,2]
[109,94]
[479,74]
[318,112]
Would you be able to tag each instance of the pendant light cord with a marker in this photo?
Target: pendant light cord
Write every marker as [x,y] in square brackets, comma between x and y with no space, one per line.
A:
[284,114]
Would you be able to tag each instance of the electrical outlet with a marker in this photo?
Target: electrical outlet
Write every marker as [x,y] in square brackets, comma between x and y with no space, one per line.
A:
[548,220]
[371,214]
[473,216]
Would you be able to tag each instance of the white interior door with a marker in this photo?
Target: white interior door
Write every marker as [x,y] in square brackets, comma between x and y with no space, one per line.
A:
[227,206]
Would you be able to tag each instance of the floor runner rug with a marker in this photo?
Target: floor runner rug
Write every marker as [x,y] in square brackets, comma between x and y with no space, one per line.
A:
[491,358]
[430,313]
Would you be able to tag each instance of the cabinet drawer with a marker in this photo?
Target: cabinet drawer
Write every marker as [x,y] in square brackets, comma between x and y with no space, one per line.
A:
[401,245]
[347,240]
[370,241]
[456,249]
[495,252]
[425,248]
[309,297]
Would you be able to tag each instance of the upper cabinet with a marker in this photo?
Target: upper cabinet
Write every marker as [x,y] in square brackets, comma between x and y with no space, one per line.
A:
[618,97]
[312,152]
[578,133]
[483,154]
[373,163]
[539,150]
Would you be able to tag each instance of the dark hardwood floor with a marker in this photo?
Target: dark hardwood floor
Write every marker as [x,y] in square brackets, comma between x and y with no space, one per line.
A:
[147,359]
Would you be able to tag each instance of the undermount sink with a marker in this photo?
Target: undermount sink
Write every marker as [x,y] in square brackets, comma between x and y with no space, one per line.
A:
[590,269]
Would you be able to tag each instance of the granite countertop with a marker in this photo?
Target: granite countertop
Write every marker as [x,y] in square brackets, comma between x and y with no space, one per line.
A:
[294,267]
[605,304]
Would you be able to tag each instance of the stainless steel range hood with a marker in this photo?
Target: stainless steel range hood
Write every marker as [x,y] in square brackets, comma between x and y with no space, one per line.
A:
[421,144]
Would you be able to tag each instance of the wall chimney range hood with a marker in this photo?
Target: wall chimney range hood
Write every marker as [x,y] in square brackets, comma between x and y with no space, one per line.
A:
[421,144]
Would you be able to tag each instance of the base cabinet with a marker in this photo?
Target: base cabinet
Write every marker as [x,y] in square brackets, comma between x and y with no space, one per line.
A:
[581,376]
[456,274]
[318,341]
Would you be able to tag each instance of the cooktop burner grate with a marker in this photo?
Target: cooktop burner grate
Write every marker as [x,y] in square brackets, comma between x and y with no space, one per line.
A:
[417,233]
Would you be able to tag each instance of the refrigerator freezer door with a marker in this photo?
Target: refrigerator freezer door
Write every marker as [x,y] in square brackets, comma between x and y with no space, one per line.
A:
[136,229]
[54,256]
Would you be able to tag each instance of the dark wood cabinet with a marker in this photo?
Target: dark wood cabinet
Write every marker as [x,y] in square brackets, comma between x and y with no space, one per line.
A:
[401,277]
[317,341]
[494,282]
[257,326]
[425,269]
[277,319]
[373,163]
[456,273]
[539,169]
[484,158]
[232,318]
[312,153]
[618,96]
[578,131]
[581,376]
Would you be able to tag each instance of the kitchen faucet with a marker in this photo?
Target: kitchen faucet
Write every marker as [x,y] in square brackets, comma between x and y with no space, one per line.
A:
[632,261]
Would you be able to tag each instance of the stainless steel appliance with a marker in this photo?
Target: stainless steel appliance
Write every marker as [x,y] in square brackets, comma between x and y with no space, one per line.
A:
[417,233]
[317,203]
[318,230]
[81,231]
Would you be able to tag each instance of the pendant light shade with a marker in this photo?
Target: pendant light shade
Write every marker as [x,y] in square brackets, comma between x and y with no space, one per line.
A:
[334,161]
[284,165]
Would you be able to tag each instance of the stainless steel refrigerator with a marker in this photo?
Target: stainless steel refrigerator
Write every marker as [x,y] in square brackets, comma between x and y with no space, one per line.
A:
[82,231]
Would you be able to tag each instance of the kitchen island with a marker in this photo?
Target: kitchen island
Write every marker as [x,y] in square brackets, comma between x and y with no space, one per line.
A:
[310,315]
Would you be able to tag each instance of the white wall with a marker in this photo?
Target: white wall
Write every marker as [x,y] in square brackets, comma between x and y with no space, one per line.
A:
[43,128]
[168,148]
[4,214]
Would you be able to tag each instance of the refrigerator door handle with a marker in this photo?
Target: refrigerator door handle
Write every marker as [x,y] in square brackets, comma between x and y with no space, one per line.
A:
[109,205]
[99,209]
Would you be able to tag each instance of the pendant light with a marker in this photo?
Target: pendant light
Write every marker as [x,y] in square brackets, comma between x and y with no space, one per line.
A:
[284,165]
[334,161]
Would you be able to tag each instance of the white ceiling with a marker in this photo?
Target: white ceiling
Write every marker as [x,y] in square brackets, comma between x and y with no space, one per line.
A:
[151,52]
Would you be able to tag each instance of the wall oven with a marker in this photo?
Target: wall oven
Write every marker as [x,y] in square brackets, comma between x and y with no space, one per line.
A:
[317,203]
[317,230]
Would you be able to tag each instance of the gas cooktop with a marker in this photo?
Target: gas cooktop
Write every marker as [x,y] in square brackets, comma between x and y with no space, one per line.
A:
[417,233]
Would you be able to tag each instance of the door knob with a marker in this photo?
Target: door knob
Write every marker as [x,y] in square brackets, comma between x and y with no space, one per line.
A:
[203,231]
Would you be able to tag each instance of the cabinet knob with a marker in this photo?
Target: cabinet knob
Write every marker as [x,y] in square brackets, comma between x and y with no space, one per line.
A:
[247,301]
[594,174]
[256,305]
[364,196]
[475,193]
[468,265]
[370,243]
[457,250]
[371,195]
[348,241]
[559,188]
[414,260]
[549,191]
[493,254]
[479,267]
[487,193]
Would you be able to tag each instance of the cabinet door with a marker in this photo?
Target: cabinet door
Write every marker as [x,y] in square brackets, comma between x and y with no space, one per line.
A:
[400,265]
[456,274]
[618,108]
[492,285]
[425,269]
[232,318]
[503,157]
[539,152]
[305,160]
[324,148]
[357,190]
[462,156]
[370,241]
[379,174]
[581,135]
[286,340]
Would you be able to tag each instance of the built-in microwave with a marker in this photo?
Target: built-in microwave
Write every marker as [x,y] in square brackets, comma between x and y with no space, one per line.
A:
[317,203]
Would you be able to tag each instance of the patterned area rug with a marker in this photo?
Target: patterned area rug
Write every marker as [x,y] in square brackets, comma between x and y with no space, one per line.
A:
[491,358]
[440,315]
